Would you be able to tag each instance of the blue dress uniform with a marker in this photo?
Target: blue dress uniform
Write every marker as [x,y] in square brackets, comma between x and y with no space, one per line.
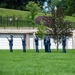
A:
[36,43]
[49,44]
[46,44]
[10,43]
[24,44]
[64,44]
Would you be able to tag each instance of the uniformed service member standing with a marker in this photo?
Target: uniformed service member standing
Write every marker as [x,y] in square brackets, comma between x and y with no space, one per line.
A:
[37,43]
[10,43]
[64,44]
[24,43]
[48,43]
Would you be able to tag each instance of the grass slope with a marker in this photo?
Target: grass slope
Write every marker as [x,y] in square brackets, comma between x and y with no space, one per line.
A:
[70,18]
[32,63]
[10,12]
[24,14]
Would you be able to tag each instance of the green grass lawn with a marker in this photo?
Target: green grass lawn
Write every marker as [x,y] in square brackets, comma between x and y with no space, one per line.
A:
[10,12]
[32,63]
[70,18]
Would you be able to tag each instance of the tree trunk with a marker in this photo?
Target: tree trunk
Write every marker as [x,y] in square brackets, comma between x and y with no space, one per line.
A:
[57,44]
[41,43]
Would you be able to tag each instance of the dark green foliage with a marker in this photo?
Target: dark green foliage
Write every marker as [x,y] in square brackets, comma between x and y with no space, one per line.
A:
[18,4]
[68,5]
[62,3]
[41,31]
[33,8]
[71,7]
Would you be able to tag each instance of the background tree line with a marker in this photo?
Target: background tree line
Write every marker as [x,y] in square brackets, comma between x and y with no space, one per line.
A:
[69,6]
[18,4]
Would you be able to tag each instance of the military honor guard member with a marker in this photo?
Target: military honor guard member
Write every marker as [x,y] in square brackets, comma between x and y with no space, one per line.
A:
[24,43]
[49,43]
[10,43]
[64,44]
[45,44]
[36,43]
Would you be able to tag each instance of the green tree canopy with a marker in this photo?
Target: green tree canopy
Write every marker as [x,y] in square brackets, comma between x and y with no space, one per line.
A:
[33,8]
[71,7]
[42,30]
[18,4]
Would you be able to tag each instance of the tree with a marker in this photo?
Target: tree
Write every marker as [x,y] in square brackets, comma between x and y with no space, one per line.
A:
[33,8]
[42,30]
[3,3]
[18,4]
[71,7]
[62,3]
[12,4]
[57,27]
[54,2]
[60,27]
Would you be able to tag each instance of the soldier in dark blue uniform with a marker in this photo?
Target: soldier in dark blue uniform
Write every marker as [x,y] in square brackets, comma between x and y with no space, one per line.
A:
[10,43]
[36,43]
[24,43]
[64,44]
[48,43]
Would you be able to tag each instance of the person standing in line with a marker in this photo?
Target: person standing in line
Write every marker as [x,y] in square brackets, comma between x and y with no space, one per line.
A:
[10,43]
[45,43]
[37,43]
[24,43]
[49,43]
[64,44]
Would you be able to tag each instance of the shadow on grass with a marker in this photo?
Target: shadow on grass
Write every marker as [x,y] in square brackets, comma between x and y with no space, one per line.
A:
[40,51]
